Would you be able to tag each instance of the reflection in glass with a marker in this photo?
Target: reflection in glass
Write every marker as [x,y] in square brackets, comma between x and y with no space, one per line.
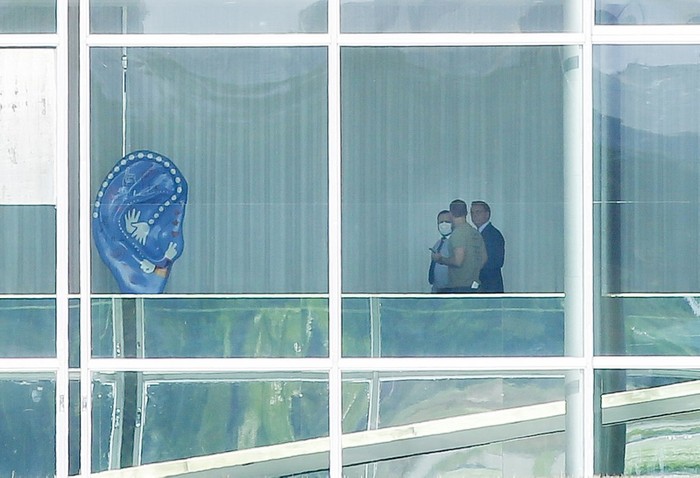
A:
[453,327]
[208,16]
[166,418]
[647,108]
[533,456]
[383,401]
[157,328]
[378,16]
[653,430]
[74,333]
[27,426]
[74,428]
[24,16]
[28,260]
[27,328]
[649,326]
[424,125]
[248,129]
[647,12]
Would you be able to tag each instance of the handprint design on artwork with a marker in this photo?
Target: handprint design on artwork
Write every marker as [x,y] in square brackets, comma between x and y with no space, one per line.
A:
[138,230]
[137,220]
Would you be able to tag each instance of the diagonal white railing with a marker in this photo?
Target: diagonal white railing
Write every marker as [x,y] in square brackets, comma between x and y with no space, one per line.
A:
[431,436]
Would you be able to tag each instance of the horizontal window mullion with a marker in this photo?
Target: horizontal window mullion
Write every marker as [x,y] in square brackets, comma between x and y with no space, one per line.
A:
[35,40]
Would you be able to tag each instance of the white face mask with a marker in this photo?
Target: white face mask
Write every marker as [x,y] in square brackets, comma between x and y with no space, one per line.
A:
[445,228]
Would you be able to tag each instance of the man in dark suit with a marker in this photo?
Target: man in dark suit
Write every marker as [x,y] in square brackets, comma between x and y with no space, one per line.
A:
[490,276]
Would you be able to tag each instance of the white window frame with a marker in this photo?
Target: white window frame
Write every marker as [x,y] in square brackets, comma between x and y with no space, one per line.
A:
[584,363]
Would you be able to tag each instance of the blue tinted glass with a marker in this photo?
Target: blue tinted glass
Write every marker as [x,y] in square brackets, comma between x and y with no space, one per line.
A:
[418,327]
[27,328]
[210,327]
[28,430]
[104,443]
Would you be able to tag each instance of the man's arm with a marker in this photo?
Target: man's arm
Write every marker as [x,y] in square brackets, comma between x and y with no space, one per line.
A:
[455,260]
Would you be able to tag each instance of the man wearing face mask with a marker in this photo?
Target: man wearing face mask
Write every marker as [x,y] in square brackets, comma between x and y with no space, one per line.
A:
[467,252]
[438,273]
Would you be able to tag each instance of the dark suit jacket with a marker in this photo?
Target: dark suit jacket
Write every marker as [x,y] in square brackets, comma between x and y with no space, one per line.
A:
[490,275]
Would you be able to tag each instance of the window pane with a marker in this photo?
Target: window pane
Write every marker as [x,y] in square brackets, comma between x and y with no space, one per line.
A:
[28,430]
[647,108]
[74,333]
[459,16]
[208,16]
[28,123]
[247,129]
[29,260]
[459,327]
[647,12]
[648,326]
[27,328]
[423,126]
[28,16]
[447,416]
[648,424]
[165,418]
[74,428]
[161,328]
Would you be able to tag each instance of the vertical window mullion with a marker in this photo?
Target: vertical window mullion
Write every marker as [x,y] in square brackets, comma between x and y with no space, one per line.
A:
[588,411]
[334,243]
[62,238]
[85,270]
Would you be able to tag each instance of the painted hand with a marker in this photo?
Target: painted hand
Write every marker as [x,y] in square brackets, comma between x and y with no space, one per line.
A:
[147,266]
[138,230]
[171,252]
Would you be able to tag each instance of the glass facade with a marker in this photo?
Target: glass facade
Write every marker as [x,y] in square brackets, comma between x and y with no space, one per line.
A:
[221,253]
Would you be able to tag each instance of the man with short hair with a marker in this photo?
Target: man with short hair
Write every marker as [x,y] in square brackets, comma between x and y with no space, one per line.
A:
[467,252]
[490,276]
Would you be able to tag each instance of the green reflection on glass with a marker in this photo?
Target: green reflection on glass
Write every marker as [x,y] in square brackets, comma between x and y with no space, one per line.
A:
[656,431]
[649,326]
[197,415]
[286,327]
[27,328]
[415,327]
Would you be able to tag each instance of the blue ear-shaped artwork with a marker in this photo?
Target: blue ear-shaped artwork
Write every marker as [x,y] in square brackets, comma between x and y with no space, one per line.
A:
[137,221]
